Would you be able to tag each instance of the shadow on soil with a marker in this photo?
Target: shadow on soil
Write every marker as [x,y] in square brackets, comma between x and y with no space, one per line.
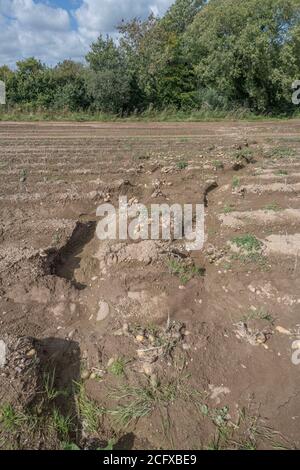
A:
[68,258]
[60,367]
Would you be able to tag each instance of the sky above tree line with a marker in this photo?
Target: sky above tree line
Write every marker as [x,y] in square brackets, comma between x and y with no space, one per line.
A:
[54,30]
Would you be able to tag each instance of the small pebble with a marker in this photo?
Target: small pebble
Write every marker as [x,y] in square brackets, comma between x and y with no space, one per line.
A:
[31,353]
[111,361]
[85,374]
[282,330]
[154,380]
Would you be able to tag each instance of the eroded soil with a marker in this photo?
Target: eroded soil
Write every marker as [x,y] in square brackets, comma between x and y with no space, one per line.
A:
[170,349]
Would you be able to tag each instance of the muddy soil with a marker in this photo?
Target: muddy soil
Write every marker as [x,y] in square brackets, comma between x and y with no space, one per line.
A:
[174,349]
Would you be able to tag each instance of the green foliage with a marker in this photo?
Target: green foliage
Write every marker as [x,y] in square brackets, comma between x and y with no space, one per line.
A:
[273,206]
[88,410]
[105,55]
[10,419]
[248,242]
[247,51]
[228,208]
[50,391]
[139,402]
[245,154]
[182,165]
[260,314]
[236,182]
[61,424]
[220,56]
[117,368]
[184,271]
[70,446]
[108,90]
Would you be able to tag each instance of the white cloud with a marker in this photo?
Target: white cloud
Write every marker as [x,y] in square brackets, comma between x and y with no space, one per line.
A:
[35,28]
[95,16]
[35,16]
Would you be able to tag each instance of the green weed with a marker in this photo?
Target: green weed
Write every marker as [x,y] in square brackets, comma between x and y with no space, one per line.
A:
[184,271]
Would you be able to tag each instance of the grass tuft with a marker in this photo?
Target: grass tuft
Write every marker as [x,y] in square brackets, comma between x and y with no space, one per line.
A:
[88,410]
[248,243]
[10,418]
[236,182]
[141,401]
[273,207]
[228,208]
[117,368]
[182,165]
[184,271]
[61,424]
[49,388]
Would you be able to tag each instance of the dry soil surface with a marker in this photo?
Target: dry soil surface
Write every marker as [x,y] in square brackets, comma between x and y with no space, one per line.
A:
[168,348]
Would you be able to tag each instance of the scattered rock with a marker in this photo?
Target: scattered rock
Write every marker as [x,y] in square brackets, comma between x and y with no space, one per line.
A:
[103,311]
[217,391]
[147,369]
[283,331]
[85,374]
[124,331]
[111,361]
[154,380]
[21,377]
[2,353]
[253,337]
[140,338]
[31,353]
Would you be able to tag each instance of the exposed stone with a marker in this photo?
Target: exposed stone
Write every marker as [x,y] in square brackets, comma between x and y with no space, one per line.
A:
[282,330]
[2,353]
[103,311]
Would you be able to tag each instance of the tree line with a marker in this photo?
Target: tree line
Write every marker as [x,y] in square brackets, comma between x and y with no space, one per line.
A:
[216,54]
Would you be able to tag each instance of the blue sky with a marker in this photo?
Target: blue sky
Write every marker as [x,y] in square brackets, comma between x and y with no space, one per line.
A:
[53,30]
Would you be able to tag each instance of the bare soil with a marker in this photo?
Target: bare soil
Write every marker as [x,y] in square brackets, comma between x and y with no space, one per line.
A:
[172,349]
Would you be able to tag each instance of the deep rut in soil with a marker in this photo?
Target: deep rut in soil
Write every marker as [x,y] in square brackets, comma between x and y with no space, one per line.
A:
[69,257]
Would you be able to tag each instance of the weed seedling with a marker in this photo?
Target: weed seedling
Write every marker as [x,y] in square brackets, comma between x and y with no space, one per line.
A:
[23,175]
[260,314]
[117,368]
[236,182]
[245,154]
[184,271]
[61,424]
[218,165]
[10,419]
[182,165]
[281,173]
[273,207]
[49,388]
[228,208]
[88,410]
[248,243]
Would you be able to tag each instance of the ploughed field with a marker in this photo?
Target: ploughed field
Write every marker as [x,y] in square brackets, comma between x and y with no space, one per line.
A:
[141,344]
